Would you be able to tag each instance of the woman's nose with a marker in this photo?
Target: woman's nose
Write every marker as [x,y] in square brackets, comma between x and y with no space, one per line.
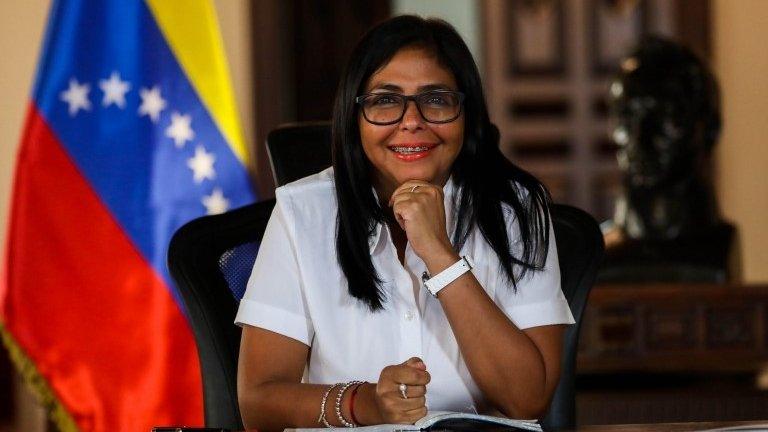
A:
[412,118]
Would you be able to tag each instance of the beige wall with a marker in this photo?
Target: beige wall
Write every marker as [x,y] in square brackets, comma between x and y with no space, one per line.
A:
[741,62]
[235,23]
[21,30]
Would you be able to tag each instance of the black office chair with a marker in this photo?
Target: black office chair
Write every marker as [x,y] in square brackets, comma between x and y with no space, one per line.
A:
[210,259]
[580,250]
[297,150]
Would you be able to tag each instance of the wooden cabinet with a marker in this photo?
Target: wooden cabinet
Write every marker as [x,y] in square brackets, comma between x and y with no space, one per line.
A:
[673,353]
[674,328]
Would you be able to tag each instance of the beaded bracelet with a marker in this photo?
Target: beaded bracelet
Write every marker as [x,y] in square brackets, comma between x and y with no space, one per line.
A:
[322,418]
[338,403]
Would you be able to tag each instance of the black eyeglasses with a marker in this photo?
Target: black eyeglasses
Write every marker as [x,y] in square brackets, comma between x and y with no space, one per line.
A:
[435,106]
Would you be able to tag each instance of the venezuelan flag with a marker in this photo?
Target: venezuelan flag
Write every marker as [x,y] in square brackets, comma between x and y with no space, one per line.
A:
[131,132]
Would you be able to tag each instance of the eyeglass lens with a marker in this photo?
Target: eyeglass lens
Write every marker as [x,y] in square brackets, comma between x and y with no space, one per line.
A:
[435,107]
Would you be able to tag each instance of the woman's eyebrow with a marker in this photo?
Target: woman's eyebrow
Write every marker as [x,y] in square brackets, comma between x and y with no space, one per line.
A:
[429,87]
[386,86]
[398,89]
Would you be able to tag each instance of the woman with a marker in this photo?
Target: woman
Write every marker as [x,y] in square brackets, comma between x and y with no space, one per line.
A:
[360,309]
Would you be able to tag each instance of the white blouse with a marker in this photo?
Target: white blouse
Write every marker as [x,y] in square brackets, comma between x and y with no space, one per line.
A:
[298,289]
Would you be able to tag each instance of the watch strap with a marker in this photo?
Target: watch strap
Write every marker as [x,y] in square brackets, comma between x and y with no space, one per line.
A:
[440,280]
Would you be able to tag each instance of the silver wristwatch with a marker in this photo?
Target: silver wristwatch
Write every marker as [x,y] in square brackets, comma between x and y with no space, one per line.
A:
[440,280]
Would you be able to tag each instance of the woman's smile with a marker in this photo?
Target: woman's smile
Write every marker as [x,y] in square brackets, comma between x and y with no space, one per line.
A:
[413,151]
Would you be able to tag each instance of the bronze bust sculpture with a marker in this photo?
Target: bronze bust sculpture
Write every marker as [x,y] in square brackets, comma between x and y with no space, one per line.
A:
[664,105]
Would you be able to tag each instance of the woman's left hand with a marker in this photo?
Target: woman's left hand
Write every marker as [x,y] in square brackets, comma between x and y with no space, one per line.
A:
[418,207]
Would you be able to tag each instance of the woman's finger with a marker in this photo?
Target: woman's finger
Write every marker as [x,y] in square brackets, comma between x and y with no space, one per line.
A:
[414,391]
[408,187]
[409,375]
[412,416]
[393,405]
[415,362]
[399,404]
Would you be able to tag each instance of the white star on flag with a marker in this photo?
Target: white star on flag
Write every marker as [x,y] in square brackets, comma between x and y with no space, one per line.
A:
[114,90]
[180,129]
[215,203]
[202,165]
[151,103]
[77,97]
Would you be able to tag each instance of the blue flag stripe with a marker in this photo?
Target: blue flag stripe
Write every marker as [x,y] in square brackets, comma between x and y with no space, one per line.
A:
[150,182]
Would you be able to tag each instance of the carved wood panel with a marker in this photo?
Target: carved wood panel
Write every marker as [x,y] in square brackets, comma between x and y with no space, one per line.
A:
[674,327]
[548,65]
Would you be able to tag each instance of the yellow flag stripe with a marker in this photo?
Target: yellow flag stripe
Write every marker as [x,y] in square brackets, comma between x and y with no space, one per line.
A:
[192,31]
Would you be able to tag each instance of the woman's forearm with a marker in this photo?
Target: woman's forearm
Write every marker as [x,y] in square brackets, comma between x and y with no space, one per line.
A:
[505,363]
[503,360]
[278,405]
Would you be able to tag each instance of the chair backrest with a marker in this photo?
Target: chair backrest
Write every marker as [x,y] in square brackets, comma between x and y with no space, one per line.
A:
[210,259]
[298,150]
[580,250]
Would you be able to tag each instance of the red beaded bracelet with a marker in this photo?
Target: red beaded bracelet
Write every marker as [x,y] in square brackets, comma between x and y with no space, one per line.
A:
[352,404]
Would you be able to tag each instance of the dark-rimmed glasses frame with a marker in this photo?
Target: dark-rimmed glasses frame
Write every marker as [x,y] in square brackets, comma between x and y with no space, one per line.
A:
[360,100]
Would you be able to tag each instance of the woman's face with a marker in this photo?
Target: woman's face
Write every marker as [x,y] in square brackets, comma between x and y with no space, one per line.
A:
[412,149]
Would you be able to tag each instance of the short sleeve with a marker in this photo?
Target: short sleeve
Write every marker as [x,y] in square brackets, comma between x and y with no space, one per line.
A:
[539,299]
[274,297]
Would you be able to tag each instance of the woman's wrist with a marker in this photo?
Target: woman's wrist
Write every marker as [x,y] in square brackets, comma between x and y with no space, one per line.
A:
[352,396]
[440,260]
[366,408]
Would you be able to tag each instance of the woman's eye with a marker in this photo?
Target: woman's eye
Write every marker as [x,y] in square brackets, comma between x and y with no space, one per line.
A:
[436,100]
[384,100]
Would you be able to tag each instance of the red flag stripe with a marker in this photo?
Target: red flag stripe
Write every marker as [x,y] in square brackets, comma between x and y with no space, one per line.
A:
[95,312]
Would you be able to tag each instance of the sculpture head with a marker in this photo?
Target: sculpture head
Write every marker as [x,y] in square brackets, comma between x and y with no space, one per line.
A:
[665,109]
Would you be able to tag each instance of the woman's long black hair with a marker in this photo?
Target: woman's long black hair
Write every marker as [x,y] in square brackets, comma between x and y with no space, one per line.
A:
[485,179]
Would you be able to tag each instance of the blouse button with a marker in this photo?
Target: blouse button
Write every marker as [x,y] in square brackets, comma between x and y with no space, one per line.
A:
[409,315]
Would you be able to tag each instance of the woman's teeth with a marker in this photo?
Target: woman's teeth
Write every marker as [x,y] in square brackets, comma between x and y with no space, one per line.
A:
[409,150]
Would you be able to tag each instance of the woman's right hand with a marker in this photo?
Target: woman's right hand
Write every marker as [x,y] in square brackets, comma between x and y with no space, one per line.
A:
[395,409]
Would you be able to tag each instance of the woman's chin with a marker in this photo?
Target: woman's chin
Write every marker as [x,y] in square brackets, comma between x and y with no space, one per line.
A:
[416,176]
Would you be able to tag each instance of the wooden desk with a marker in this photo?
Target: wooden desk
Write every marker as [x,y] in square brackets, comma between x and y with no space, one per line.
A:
[671,427]
[675,327]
